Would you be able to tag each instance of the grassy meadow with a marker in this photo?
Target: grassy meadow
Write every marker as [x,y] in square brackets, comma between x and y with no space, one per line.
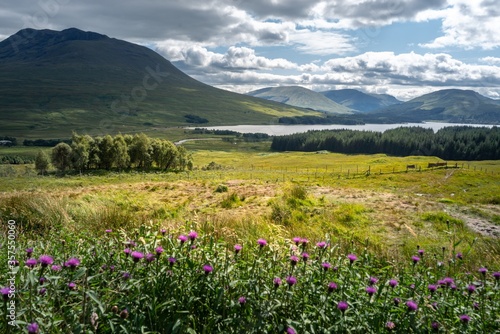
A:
[239,193]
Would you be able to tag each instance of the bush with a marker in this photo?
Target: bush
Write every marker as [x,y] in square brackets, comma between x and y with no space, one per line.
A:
[221,188]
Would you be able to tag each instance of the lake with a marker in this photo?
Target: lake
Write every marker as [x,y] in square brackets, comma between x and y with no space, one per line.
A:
[278,130]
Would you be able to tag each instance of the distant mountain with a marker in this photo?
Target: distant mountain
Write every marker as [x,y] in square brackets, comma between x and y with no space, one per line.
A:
[449,105]
[300,97]
[359,101]
[53,82]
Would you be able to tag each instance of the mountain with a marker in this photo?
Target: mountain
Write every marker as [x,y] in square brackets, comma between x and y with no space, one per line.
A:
[448,105]
[53,82]
[300,97]
[359,101]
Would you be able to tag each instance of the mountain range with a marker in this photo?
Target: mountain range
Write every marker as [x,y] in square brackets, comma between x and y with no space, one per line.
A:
[55,82]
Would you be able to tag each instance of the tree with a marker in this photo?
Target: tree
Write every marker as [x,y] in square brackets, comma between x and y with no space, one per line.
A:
[140,151]
[61,156]
[106,152]
[80,151]
[121,158]
[42,162]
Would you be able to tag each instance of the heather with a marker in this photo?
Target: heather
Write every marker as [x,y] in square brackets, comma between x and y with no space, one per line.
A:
[155,280]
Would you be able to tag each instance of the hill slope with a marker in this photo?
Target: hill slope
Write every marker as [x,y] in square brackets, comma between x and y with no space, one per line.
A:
[54,82]
[362,102]
[449,105]
[300,97]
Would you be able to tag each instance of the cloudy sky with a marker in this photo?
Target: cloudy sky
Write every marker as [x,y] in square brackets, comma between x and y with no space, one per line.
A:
[404,48]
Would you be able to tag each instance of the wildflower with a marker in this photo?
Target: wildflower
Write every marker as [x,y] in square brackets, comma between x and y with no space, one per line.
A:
[71,286]
[291,280]
[290,330]
[5,293]
[261,242]
[109,231]
[421,252]
[496,275]
[342,306]
[29,251]
[172,260]
[150,257]
[277,282]
[453,287]
[326,266]
[396,301]
[42,280]
[352,258]
[137,256]
[55,267]
[158,250]
[127,251]
[296,240]
[182,238]
[471,288]
[393,283]
[371,290]
[31,263]
[476,305]
[126,275]
[372,280]
[124,314]
[464,318]
[432,288]
[114,309]
[45,260]
[163,231]
[111,268]
[131,243]
[412,306]
[448,281]
[483,271]
[33,328]
[332,286]
[321,245]
[237,248]
[304,242]
[192,235]
[294,260]
[415,259]
[42,291]
[207,269]
[242,300]
[435,325]
[72,263]
[305,256]
[390,325]
[459,256]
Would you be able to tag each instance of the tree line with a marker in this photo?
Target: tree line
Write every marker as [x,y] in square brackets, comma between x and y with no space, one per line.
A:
[450,143]
[120,152]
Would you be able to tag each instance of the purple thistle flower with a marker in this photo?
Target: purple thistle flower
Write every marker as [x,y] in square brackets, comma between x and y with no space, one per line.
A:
[31,263]
[453,287]
[42,291]
[182,238]
[111,268]
[296,240]
[150,257]
[42,280]
[29,251]
[33,328]
[435,325]
[459,256]
[305,256]
[127,251]
[124,314]
[172,260]
[342,306]
[371,290]
[5,293]
[304,242]
[412,286]
[448,281]
[393,283]
[55,267]
[192,235]
[290,330]
[483,271]
[277,282]
[496,275]
[207,269]
[396,301]
[421,252]
[326,266]
[464,318]
[131,243]
[163,231]
[71,286]
[72,263]
[321,245]
[476,305]
[412,306]
[261,242]
[291,280]
[294,260]
[159,250]
[109,231]
[432,288]
[45,260]
[390,325]
[237,248]
[372,280]
[331,287]
[137,256]
[126,275]
[471,288]
[415,259]
[242,300]
[352,258]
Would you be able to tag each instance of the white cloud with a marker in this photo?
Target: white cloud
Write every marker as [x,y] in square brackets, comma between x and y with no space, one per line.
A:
[491,60]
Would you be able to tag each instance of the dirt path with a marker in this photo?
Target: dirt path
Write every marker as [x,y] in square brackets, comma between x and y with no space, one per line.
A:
[479,224]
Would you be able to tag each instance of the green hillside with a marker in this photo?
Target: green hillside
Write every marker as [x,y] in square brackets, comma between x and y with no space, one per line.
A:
[363,102]
[52,83]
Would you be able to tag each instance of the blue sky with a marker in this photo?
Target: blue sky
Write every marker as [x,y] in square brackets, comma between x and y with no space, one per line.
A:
[405,48]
